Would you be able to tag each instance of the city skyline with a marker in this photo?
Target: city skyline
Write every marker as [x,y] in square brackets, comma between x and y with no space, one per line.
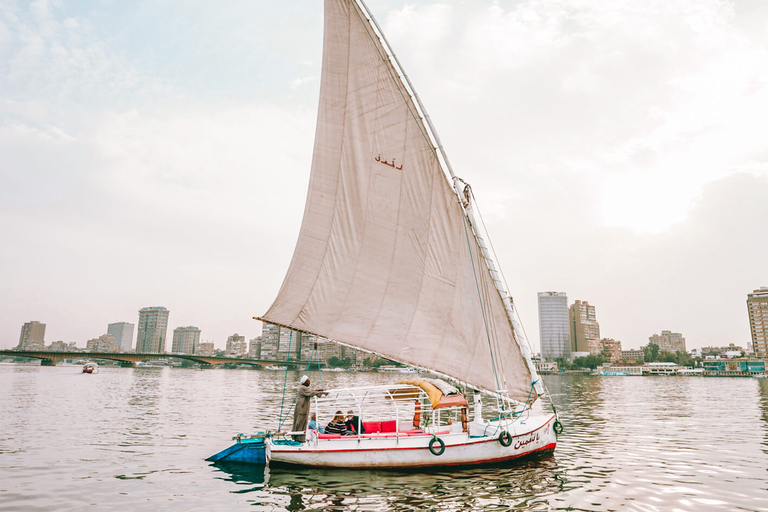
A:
[616,150]
[579,318]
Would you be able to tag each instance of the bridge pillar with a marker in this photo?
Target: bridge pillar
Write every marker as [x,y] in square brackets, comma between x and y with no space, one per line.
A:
[127,364]
[47,362]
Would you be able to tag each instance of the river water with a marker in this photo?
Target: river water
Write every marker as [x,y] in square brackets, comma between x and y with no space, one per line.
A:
[136,439]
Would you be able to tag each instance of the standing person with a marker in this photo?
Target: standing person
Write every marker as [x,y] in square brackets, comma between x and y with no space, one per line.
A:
[301,411]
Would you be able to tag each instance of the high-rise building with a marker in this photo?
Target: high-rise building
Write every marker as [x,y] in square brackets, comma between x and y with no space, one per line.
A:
[185,340]
[554,331]
[104,343]
[290,344]
[153,328]
[270,338]
[585,331]
[123,333]
[669,341]
[281,343]
[757,307]
[32,336]
[236,345]
[254,348]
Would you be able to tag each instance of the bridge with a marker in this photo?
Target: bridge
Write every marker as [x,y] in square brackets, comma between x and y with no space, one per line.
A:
[129,360]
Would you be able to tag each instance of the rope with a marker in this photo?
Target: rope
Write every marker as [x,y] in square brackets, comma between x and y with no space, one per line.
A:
[482,308]
[518,413]
[285,381]
[504,279]
[306,370]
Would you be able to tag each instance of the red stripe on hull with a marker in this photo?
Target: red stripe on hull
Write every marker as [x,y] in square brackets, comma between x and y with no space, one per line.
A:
[543,450]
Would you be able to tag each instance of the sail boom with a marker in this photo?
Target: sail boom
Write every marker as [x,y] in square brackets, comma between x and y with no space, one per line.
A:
[415,364]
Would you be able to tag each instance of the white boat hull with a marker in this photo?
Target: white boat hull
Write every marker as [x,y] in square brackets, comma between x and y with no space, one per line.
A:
[535,435]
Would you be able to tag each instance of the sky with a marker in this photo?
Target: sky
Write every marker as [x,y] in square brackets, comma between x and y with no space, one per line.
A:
[157,154]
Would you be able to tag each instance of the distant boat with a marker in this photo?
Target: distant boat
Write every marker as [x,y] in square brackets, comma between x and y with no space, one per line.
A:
[398,369]
[90,367]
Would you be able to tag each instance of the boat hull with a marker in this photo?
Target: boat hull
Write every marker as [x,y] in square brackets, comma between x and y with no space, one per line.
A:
[536,435]
[252,451]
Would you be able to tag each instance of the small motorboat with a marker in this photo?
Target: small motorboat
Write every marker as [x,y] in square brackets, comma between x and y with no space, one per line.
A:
[90,367]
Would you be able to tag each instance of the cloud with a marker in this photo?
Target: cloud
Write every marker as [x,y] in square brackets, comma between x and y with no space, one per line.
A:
[159,154]
[169,207]
[654,97]
[692,278]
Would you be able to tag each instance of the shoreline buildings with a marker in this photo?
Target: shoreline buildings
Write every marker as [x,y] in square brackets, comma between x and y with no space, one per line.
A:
[585,330]
[667,340]
[612,346]
[236,346]
[757,308]
[554,331]
[185,340]
[123,334]
[205,348]
[282,344]
[153,328]
[104,343]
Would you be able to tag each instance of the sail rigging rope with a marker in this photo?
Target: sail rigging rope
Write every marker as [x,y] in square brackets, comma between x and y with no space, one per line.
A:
[504,279]
[285,382]
[482,307]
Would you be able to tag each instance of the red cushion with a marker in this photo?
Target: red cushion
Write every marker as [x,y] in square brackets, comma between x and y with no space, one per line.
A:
[389,426]
[328,436]
[371,427]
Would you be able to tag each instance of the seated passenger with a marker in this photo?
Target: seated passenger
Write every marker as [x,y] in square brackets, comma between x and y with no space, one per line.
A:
[353,422]
[337,426]
[313,424]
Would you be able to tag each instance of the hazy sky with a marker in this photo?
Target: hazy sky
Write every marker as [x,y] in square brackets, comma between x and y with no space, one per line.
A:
[157,154]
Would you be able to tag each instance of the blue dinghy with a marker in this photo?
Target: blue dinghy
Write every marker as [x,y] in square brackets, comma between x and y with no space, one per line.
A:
[251,449]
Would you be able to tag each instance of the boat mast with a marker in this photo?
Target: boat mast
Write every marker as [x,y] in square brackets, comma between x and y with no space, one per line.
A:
[445,165]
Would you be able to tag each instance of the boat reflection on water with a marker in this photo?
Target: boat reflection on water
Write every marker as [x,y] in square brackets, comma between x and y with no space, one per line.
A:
[525,483]
[243,474]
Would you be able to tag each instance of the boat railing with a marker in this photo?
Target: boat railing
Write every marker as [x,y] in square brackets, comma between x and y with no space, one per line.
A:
[396,402]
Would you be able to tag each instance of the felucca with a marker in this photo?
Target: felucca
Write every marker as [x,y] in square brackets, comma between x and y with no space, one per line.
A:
[391,259]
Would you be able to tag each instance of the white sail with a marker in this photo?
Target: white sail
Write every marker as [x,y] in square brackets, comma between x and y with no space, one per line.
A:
[386,260]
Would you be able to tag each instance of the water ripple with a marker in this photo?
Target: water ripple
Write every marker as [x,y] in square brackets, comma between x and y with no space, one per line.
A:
[137,438]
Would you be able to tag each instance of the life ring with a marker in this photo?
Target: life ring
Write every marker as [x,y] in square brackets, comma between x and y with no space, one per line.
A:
[432,446]
[505,438]
[557,427]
